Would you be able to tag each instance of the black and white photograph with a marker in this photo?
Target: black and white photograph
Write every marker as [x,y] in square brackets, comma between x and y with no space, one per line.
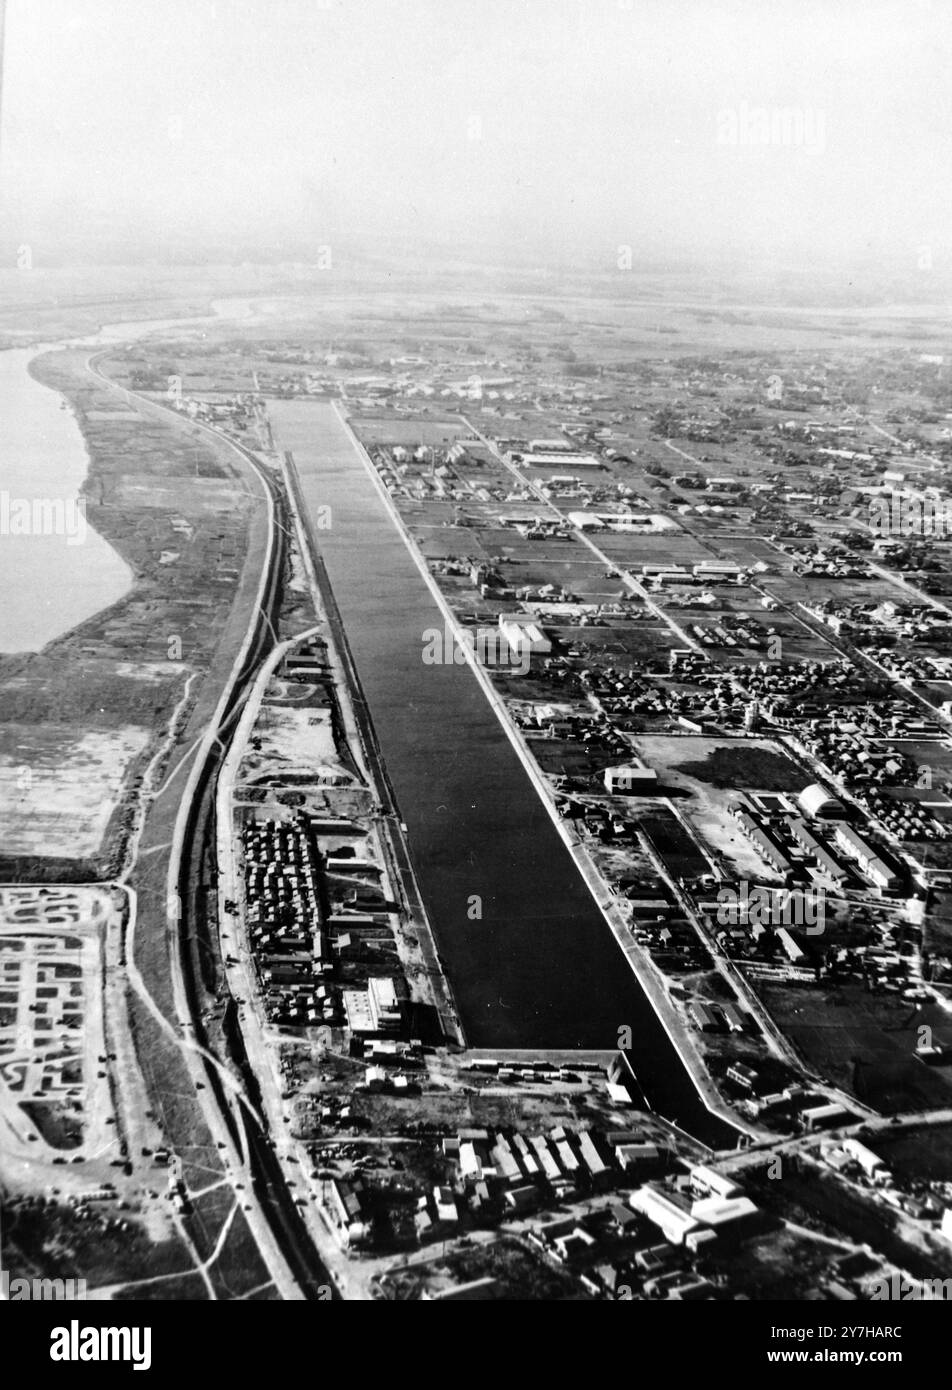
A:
[475,672]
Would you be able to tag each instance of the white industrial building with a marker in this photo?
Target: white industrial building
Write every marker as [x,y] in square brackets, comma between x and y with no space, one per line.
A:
[560,459]
[523,635]
[631,778]
[871,1164]
[550,446]
[673,1221]
[724,1213]
[868,858]
[815,800]
[709,1180]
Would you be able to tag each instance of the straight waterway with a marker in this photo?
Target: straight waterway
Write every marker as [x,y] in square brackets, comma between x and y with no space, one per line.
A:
[539,967]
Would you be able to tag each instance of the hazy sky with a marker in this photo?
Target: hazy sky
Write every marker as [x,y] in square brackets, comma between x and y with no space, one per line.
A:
[536,123]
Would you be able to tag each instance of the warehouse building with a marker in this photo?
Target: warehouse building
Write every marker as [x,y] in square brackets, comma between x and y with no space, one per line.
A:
[673,1221]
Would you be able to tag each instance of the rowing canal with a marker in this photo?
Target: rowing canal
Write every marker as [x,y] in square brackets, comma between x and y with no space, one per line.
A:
[540,968]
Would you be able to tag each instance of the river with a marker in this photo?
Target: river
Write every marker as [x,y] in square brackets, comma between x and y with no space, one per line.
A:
[55,570]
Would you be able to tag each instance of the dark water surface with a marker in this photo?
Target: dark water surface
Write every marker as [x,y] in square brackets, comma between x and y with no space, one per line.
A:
[541,968]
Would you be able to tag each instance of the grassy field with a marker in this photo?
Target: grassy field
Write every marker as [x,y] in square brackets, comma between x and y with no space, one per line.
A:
[74,785]
[409,433]
[546,1108]
[745,765]
[781,1265]
[519,1274]
[81,712]
[864,1042]
[813,1197]
[681,855]
[183,1288]
[50,1241]
[239,1267]
[923,1154]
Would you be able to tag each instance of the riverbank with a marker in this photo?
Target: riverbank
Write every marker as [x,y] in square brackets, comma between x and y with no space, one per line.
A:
[85,714]
[56,569]
[123,669]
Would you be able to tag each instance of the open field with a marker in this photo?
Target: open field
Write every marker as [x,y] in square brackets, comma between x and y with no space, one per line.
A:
[781,1265]
[390,431]
[59,791]
[181,528]
[757,765]
[812,1196]
[52,1240]
[519,1274]
[864,1042]
[924,1154]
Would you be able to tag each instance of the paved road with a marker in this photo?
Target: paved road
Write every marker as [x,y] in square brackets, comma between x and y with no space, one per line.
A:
[228,1110]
